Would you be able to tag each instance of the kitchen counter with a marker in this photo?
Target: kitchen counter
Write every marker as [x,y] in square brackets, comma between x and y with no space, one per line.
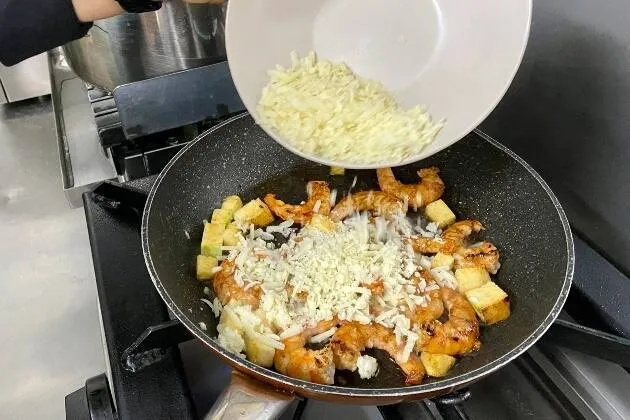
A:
[48,311]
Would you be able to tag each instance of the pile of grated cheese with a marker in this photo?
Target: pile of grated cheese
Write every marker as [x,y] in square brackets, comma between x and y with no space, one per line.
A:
[319,275]
[323,108]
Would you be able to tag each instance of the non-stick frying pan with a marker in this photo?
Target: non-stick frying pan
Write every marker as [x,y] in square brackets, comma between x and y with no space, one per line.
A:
[484,180]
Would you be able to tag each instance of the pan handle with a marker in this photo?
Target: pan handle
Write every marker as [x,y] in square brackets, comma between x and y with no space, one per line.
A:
[248,399]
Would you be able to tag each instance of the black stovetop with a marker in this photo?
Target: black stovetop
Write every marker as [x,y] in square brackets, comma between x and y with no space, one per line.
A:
[182,381]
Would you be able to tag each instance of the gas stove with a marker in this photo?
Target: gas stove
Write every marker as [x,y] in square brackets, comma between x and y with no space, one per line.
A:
[157,370]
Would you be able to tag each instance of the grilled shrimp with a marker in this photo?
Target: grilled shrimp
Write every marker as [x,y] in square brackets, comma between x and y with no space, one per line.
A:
[431,245]
[378,202]
[226,289]
[377,287]
[422,317]
[459,231]
[451,239]
[318,203]
[484,255]
[458,335]
[296,361]
[353,338]
[300,296]
[417,195]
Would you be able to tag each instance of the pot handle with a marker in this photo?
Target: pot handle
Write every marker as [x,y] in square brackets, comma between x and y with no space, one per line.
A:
[248,399]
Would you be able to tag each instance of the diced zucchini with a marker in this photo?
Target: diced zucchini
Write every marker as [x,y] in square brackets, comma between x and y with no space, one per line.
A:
[441,260]
[337,171]
[231,235]
[437,365]
[321,222]
[205,267]
[221,216]
[439,213]
[230,319]
[231,204]
[255,212]
[471,278]
[212,239]
[257,351]
[491,303]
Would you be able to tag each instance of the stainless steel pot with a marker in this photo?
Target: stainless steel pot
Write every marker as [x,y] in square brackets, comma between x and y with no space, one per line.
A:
[134,47]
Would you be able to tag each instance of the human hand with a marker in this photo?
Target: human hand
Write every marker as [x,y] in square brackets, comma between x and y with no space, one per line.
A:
[91,10]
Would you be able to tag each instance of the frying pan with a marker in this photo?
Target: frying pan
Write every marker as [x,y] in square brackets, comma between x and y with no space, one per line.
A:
[484,180]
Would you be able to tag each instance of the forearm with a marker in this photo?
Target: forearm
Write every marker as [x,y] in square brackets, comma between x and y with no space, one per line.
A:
[91,10]
[30,27]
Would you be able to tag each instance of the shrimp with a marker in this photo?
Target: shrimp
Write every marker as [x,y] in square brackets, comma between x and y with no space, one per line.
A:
[451,239]
[318,203]
[459,231]
[434,309]
[226,289]
[299,296]
[431,245]
[484,255]
[375,201]
[458,335]
[377,287]
[417,195]
[352,338]
[296,361]
[423,316]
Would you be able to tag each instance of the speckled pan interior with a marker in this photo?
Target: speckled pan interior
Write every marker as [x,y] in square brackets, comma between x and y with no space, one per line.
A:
[483,181]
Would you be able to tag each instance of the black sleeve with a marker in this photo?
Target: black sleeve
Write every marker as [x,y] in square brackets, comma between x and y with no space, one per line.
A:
[29,27]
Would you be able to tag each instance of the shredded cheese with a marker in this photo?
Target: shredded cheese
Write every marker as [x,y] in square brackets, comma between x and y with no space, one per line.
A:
[444,277]
[323,108]
[215,306]
[319,338]
[291,331]
[230,339]
[320,275]
[317,205]
[367,366]
[240,323]
[317,275]
[333,198]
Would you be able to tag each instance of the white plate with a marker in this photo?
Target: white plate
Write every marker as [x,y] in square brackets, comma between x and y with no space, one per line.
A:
[457,57]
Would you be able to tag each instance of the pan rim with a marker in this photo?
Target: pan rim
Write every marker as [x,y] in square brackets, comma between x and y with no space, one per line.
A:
[281,381]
